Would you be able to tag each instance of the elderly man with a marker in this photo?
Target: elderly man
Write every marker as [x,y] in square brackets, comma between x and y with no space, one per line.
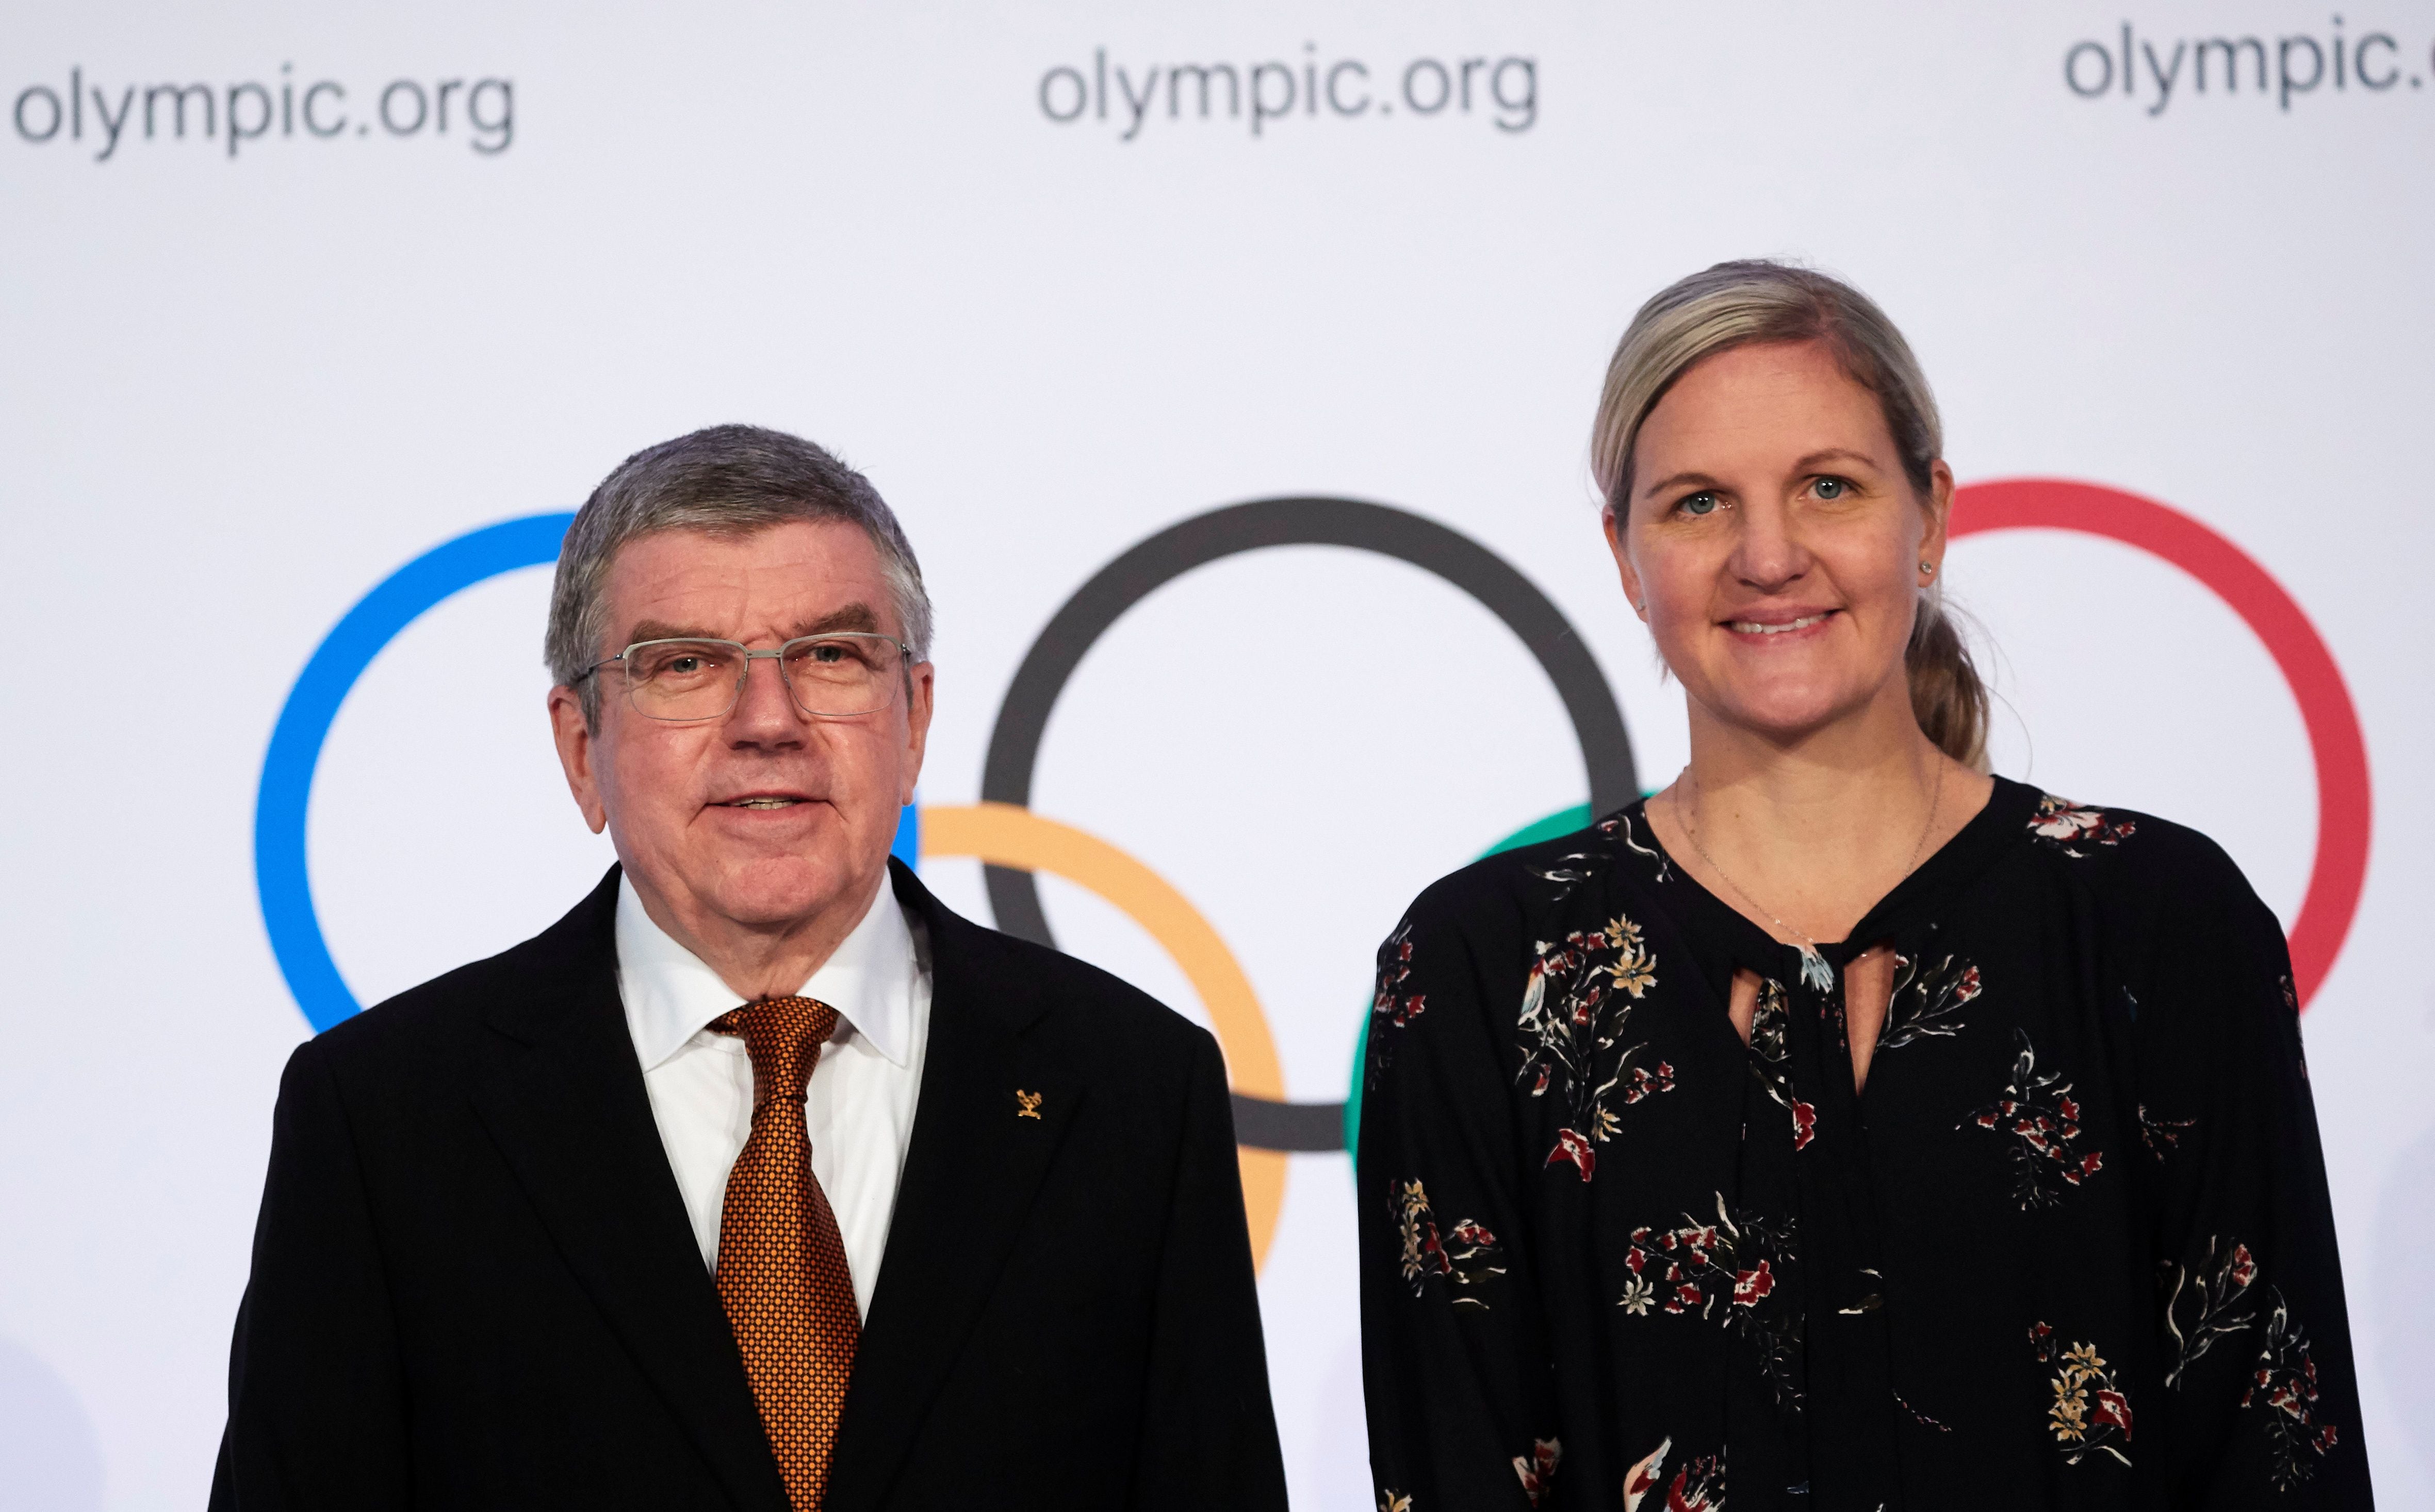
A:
[760,1179]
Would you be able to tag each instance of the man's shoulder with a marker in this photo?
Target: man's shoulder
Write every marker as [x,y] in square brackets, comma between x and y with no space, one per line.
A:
[1076,997]
[442,1015]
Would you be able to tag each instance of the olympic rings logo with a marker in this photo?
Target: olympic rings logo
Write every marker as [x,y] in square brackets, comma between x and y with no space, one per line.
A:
[1014,843]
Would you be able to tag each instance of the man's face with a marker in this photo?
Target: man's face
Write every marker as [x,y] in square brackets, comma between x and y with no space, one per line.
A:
[768,818]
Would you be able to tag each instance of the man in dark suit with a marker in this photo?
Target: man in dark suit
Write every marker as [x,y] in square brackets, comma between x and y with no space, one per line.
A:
[760,1179]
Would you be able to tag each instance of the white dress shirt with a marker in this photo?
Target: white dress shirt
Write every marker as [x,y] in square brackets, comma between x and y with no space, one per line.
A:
[858,1108]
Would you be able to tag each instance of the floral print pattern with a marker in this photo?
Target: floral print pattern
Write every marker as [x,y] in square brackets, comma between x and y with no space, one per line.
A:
[2285,1385]
[1575,1004]
[1918,1417]
[2089,1414]
[1462,1258]
[1736,1263]
[2214,1293]
[1568,871]
[1619,826]
[1573,869]
[1538,1468]
[2043,1122]
[2162,1134]
[1698,1487]
[1391,1005]
[1767,1045]
[2065,825]
[1394,969]
[1642,1478]
[1703,1224]
[1925,1001]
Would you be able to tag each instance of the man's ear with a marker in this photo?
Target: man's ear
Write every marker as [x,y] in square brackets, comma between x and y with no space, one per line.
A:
[575,737]
[921,689]
[1614,528]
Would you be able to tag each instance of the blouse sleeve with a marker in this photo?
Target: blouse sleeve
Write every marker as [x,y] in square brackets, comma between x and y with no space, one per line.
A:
[2260,1401]
[1460,1410]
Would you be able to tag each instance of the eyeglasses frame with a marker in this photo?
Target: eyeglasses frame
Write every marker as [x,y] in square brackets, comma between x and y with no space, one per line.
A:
[777,654]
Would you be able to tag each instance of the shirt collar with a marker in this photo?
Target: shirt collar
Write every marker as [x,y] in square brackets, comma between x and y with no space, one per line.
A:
[671,994]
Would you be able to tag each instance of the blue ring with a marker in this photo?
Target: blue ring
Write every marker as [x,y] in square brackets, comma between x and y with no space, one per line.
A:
[281,875]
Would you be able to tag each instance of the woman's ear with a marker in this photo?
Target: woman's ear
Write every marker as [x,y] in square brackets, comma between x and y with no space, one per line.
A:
[1614,528]
[1939,505]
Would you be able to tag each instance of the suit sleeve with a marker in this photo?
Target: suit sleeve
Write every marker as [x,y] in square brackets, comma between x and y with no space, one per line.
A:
[1209,1438]
[2260,1401]
[316,1396]
[1454,1349]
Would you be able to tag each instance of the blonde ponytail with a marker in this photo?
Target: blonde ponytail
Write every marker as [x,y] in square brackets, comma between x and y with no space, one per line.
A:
[1946,695]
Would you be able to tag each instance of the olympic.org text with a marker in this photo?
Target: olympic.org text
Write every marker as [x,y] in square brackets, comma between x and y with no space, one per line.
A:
[2158,73]
[1264,97]
[108,119]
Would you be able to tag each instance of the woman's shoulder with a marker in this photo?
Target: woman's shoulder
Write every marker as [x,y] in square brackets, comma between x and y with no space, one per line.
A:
[1524,890]
[2131,856]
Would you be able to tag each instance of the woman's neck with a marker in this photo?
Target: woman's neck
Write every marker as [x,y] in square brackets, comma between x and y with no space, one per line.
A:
[1804,836]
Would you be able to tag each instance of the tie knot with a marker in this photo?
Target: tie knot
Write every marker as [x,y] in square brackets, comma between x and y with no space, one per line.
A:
[783,1037]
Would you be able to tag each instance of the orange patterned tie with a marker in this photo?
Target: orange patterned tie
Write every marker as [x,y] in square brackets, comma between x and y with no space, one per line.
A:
[781,1270]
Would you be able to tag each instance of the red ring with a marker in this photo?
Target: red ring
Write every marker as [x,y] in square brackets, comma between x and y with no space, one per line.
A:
[2335,739]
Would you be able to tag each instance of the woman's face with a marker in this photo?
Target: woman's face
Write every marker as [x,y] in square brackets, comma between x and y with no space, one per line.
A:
[1772,543]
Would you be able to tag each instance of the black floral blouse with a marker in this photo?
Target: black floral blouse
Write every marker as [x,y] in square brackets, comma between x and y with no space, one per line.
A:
[2072,1248]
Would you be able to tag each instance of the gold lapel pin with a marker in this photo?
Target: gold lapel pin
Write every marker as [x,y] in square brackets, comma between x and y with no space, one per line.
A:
[1026,1104]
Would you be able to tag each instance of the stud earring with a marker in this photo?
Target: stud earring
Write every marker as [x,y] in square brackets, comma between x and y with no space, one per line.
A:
[1928,569]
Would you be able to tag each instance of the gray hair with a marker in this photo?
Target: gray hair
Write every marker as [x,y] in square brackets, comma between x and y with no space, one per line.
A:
[730,481]
[1759,302]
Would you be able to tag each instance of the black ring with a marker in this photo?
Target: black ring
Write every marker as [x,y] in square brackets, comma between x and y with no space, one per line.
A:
[1022,718]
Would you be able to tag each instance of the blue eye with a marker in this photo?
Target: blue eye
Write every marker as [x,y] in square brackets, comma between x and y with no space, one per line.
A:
[1829,487]
[1701,503]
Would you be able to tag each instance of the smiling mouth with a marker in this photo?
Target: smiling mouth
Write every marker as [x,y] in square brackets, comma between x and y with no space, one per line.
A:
[1754,628]
[764,802]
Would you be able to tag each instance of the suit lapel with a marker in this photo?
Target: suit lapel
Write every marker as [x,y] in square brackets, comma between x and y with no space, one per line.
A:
[994,1106]
[563,1099]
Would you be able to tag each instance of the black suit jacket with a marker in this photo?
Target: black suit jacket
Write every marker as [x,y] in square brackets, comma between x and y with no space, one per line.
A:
[474,1284]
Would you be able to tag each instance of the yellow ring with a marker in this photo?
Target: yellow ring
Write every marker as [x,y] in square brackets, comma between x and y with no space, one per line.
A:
[1006,835]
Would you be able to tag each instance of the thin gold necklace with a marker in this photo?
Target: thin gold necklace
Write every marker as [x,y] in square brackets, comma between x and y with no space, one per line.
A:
[1815,973]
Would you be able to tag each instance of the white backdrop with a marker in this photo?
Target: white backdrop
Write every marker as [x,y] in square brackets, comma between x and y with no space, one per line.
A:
[243,382]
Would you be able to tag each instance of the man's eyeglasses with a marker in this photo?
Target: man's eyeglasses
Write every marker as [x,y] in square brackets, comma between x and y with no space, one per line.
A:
[830,677]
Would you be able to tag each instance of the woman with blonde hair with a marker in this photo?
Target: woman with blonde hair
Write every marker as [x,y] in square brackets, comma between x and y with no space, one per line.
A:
[1843,1127]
